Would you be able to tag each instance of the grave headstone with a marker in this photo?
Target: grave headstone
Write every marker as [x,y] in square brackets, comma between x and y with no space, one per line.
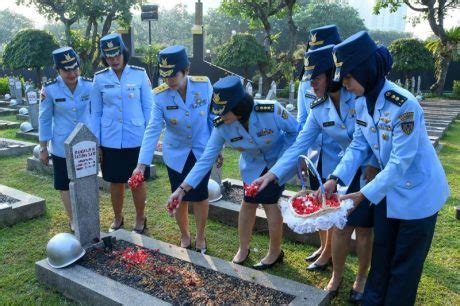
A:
[11,85]
[259,90]
[32,101]
[398,82]
[407,84]
[249,89]
[413,85]
[270,95]
[18,87]
[291,92]
[273,88]
[419,82]
[82,167]
[44,79]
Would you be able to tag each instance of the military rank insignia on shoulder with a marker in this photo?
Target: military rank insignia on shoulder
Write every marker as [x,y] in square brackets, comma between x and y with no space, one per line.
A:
[87,79]
[199,78]
[395,97]
[160,88]
[50,82]
[265,108]
[102,71]
[137,67]
[218,121]
[318,102]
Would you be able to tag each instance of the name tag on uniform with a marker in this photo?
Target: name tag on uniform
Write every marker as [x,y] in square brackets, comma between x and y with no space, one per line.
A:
[59,100]
[310,96]
[172,107]
[328,123]
[109,86]
[362,123]
[84,98]
[236,139]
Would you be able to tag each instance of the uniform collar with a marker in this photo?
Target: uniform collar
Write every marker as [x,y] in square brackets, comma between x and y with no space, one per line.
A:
[66,89]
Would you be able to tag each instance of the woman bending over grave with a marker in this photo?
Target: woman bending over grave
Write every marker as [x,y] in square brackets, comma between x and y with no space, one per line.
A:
[261,131]
[64,103]
[333,114]
[182,102]
[121,102]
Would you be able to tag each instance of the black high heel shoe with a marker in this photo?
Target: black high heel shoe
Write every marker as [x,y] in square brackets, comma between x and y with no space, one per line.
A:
[312,257]
[141,231]
[242,261]
[262,266]
[203,250]
[113,228]
[333,293]
[316,267]
[355,297]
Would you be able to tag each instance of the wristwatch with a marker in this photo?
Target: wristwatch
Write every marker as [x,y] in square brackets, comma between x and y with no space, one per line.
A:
[333,177]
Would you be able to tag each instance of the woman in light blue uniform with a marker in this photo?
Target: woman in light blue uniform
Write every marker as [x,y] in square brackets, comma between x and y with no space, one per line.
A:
[183,103]
[333,114]
[64,103]
[121,103]
[261,131]
[411,187]
[319,37]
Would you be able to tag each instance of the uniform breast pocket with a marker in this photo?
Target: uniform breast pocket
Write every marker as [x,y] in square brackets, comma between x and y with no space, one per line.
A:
[105,122]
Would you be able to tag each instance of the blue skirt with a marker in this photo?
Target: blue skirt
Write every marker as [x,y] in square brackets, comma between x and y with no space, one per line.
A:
[118,164]
[363,215]
[270,195]
[61,178]
[198,194]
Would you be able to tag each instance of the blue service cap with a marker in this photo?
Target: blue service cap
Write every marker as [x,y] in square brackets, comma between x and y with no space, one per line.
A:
[351,52]
[112,45]
[318,61]
[323,36]
[228,92]
[171,60]
[65,58]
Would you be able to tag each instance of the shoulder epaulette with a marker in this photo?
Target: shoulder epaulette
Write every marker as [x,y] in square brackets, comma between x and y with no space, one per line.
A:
[101,71]
[137,67]
[265,108]
[160,88]
[87,79]
[218,121]
[318,102]
[199,78]
[50,82]
[395,97]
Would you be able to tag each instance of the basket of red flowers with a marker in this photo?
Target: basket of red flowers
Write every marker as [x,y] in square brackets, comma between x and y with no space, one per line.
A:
[306,213]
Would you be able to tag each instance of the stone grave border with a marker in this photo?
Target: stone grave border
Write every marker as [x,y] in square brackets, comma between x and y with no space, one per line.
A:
[5,124]
[85,286]
[21,147]
[32,135]
[27,207]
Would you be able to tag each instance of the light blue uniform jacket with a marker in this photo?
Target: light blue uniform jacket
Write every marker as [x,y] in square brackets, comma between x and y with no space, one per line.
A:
[271,130]
[188,125]
[61,110]
[120,109]
[412,180]
[323,118]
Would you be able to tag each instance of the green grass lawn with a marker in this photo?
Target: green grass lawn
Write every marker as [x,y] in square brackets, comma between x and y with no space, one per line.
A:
[24,243]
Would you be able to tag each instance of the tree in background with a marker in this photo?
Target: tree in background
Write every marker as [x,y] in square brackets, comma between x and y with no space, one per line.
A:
[30,49]
[151,59]
[410,56]
[387,37]
[10,24]
[434,11]
[242,51]
[99,16]
[319,13]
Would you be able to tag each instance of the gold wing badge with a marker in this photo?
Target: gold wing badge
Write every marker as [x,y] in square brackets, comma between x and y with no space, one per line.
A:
[166,69]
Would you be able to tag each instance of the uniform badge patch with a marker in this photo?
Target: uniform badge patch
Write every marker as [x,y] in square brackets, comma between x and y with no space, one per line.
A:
[285,115]
[328,123]
[310,95]
[407,127]
[236,139]
[409,116]
[173,121]
[170,107]
[362,123]
[385,136]
[264,132]
[59,100]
